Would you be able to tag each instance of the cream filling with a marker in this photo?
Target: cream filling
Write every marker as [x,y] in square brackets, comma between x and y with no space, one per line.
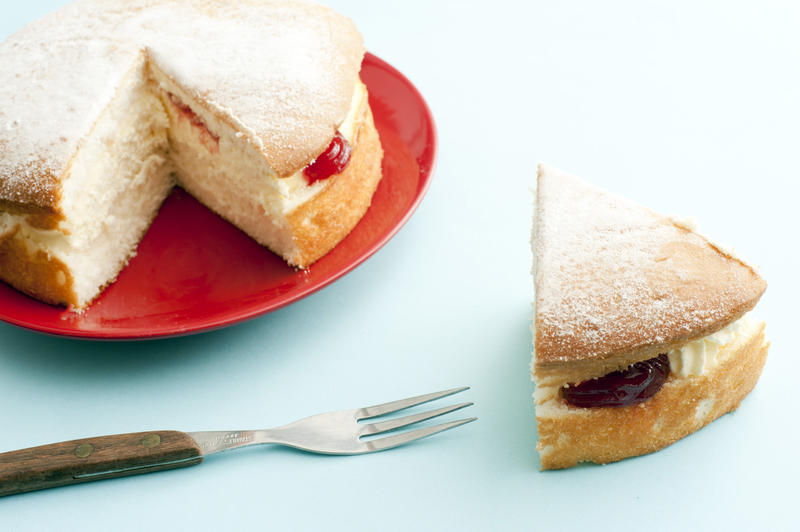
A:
[701,356]
[295,189]
[696,358]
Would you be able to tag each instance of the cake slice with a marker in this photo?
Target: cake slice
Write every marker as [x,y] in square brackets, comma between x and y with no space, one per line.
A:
[105,106]
[642,331]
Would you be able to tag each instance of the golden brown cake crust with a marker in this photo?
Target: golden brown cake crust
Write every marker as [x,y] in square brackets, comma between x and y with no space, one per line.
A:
[680,408]
[35,272]
[320,224]
[617,283]
[40,197]
[40,217]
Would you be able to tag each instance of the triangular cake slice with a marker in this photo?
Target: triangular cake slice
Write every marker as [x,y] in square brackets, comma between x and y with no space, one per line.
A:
[641,326]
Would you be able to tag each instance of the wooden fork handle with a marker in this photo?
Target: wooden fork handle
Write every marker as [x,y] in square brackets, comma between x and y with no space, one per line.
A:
[71,462]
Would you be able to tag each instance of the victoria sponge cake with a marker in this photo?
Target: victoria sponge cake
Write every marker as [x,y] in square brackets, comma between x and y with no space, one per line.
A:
[255,107]
[642,327]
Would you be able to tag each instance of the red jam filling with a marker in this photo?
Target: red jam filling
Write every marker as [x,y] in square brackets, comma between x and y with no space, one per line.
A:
[638,383]
[207,138]
[330,162]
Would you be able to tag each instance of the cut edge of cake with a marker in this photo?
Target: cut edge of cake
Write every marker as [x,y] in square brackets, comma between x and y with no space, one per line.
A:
[216,163]
[111,192]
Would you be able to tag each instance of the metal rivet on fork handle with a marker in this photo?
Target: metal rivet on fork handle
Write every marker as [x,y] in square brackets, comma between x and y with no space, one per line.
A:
[83,450]
[151,440]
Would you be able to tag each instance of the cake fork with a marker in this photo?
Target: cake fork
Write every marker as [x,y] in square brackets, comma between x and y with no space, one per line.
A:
[340,433]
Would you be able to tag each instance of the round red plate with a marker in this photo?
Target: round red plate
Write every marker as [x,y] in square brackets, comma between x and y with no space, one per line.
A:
[194,271]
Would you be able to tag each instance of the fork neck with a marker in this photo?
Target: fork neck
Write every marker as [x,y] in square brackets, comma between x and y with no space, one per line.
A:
[211,442]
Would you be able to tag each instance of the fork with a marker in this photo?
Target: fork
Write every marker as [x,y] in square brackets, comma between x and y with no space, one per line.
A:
[337,433]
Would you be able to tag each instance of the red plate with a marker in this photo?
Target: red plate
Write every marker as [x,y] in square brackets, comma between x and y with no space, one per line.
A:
[194,271]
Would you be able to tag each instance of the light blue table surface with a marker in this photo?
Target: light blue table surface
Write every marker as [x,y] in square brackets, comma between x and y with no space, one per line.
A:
[688,107]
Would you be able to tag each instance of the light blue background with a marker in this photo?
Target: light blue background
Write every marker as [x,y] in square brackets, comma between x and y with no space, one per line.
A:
[688,107]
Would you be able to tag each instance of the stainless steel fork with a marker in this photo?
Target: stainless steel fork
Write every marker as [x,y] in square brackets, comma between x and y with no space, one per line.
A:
[341,432]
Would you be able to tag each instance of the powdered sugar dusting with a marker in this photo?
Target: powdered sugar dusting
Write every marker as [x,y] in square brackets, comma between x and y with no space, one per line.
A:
[50,95]
[611,275]
[283,70]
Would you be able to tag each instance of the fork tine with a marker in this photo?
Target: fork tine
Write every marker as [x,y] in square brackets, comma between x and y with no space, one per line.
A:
[387,442]
[386,426]
[394,406]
